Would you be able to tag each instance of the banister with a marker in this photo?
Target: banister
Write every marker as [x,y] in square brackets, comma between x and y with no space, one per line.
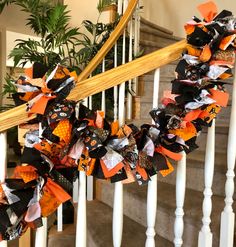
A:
[127,71]
[89,68]
[110,42]
[104,81]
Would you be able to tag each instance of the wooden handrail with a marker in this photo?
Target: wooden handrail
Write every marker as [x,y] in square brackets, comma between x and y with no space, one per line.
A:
[110,42]
[104,81]
[22,117]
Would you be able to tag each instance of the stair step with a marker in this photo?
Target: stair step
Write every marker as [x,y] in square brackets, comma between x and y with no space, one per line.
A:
[99,230]
[195,173]
[135,208]
[158,43]
[151,34]
[149,24]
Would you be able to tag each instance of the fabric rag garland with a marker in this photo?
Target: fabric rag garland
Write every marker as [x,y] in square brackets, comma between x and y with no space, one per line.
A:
[69,137]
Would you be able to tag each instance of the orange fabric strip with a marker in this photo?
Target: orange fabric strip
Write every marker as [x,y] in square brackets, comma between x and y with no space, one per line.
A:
[185,133]
[164,173]
[109,173]
[99,119]
[61,195]
[114,128]
[225,42]
[48,203]
[63,130]
[27,173]
[192,115]
[29,72]
[130,175]
[206,54]
[40,106]
[208,10]
[220,97]
[90,167]
[142,172]
[172,155]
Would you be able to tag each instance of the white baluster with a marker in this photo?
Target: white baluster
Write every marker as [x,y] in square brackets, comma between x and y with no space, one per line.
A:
[41,235]
[103,105]
[90,178]
[116,87]
[85,102]
[118,193]
[90,188]
[122,86]
[75,190]
[129,98]
[151,211]
[90,102]
[180,195]
[125,5]
[3,166]
[136,41]
[120,6]
[228,216]
[42,232]
[119,10]
[205,235]
[117,223]
[3,156]
[81,226]
[118,214]
[81,222]
[60,218]
[152,185]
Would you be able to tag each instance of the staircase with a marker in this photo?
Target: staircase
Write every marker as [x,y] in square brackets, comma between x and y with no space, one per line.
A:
[99,233]
[153,38]
[99,212]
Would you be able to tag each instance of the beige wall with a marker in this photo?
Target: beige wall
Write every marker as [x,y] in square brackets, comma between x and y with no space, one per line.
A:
[11,38]
[84,10]
[2,59]
[13,19]
[173,14]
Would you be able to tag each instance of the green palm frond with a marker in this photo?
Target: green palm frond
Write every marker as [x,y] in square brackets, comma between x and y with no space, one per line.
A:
[102,4]
[4,3]
[9,86]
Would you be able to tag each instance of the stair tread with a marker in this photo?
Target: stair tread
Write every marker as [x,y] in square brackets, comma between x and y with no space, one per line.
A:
[155,26]
[99,230]
[166,201]
[151,43]
[158,33]
[137,195]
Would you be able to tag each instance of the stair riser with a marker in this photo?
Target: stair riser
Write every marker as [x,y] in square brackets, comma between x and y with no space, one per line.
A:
[148,36]
[195,180]
[148,87]
[148,49]
[163,42]
[153,28]
[220,140]
[164,220]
